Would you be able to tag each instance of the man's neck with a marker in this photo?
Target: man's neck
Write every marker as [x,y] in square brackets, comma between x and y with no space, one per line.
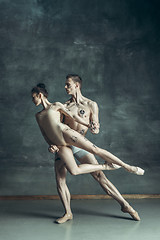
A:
[77,97]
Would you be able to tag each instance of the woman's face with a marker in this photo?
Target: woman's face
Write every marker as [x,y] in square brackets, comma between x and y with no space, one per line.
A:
[36,99]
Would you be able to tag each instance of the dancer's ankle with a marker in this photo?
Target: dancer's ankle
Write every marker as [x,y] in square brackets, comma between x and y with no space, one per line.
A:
[66,217]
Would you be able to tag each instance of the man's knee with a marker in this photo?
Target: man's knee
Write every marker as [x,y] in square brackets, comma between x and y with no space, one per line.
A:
[99,176]
[103,181]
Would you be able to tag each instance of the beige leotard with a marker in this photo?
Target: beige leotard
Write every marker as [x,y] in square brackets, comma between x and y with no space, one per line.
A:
[51,126]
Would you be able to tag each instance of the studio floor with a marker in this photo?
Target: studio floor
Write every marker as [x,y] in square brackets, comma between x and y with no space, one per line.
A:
[93,219]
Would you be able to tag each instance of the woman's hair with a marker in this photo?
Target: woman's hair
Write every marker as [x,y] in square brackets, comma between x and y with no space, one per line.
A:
[40,88]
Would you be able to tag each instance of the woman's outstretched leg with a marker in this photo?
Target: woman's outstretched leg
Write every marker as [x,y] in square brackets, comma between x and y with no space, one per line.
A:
[66,155]
[107,156]
[74,138]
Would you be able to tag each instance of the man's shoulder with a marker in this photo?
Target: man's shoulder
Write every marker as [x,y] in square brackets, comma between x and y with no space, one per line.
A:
[86,102]
[91,103]
[67,102]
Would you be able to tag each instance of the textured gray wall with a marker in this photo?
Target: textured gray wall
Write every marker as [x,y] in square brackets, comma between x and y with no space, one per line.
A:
[114,46]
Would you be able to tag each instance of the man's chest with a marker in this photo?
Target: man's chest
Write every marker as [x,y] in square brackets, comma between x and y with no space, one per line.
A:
[81,110]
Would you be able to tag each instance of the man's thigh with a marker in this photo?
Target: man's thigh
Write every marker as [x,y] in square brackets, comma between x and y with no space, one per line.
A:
[59,165]
[79,154]
[83,156]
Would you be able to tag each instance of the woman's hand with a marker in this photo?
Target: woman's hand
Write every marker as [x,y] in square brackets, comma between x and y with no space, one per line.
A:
[53,149]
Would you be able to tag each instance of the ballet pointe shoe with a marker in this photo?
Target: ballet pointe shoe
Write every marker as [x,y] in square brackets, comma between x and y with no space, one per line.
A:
[132,212]
[115,166]
[64,219]
[111,166]
[136,170]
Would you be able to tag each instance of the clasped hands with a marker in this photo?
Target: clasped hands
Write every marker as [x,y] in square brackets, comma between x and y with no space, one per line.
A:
[53,149]
[94,127]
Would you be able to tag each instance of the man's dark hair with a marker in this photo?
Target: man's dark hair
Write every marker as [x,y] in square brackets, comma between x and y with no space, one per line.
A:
[75,78]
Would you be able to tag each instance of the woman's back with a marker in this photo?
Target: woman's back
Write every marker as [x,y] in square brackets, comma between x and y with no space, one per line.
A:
[50,125]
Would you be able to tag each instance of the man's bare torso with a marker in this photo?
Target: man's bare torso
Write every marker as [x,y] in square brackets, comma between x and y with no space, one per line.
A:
[83,110]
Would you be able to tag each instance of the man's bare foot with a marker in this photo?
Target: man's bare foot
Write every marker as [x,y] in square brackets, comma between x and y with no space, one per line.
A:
[111,166]
[132,212]
[64,219]
[136,170]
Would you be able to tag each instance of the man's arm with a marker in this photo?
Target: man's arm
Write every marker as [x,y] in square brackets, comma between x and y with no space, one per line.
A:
[68,113]
[94,118]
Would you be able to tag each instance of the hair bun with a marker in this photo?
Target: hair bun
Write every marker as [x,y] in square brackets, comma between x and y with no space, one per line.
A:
[41,85]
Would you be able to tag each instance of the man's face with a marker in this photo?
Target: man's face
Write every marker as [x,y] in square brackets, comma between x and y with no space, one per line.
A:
[36,99]
[70,86]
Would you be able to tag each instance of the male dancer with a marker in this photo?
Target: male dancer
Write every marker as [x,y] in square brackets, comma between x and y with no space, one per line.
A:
[88,110]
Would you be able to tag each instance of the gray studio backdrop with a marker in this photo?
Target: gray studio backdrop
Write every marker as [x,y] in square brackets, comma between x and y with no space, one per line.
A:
[114,46]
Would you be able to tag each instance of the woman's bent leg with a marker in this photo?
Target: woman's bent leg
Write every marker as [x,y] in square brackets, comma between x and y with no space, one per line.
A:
[74,138]
[66,155]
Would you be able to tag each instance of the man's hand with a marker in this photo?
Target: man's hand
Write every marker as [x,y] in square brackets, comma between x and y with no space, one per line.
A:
[53,149]
[94,127]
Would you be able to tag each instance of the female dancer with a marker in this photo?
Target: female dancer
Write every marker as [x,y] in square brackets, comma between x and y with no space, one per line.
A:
[57,133]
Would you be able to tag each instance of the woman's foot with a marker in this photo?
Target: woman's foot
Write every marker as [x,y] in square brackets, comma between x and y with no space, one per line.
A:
[65,218]
[132,212]
[135,170]
[115,166]
[111,166]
